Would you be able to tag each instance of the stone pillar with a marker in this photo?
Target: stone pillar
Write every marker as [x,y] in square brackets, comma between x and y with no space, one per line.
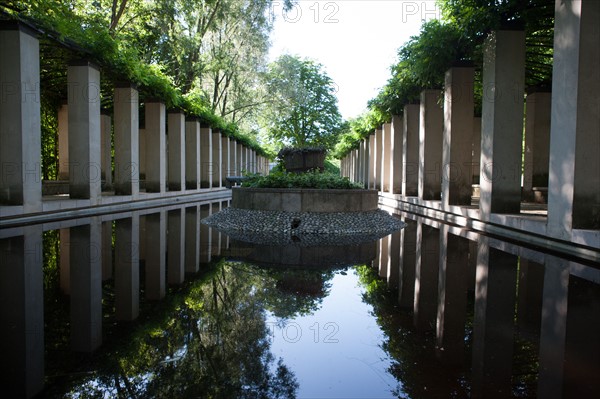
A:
[386,156]
[502,123]
[225,158]
[367,162]
[426,277]
[372,158]
[192,153]
[476,149]
[86,283]
[240,158]
[127,268]
[176,246]
[156,251]
[410,150]
[126,132]
[452,297]
[192,235]
[176,150]
[553,329]
[430,145]
[84,127]
[537,141]
[378,158]
[156,142]
[22,310]
[232,158]
[106,148]
[361,160]
[142,148]
[408,248]
[457,136]
[20,133]
[63,142]
[493,324]
[217,154]
[396,141]
[205,156]
[574,185]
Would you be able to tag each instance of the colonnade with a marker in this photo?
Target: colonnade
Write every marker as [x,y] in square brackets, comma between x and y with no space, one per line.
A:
[438,150]
[167,151]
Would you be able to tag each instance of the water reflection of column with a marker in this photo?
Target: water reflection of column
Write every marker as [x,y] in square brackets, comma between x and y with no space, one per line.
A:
[452,296]
[394,260]
[529,298]
[205,235]
[192,231]
[493,325]
[408,246]
[156,251]
[22,314]
[553,328]
[107,231]
[65,260]
[216,236]
[426,276]
[384,256]
[127,268]
[175,246]
[86,291]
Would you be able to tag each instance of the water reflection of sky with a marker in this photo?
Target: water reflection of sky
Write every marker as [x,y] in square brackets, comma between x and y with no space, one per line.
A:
[335,352]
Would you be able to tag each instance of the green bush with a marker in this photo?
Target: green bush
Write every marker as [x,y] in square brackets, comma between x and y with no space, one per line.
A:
[310,179]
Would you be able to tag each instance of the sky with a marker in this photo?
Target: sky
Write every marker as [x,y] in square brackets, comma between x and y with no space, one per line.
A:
[355,40]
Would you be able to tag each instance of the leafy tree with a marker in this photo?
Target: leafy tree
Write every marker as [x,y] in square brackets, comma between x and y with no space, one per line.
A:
[303,107]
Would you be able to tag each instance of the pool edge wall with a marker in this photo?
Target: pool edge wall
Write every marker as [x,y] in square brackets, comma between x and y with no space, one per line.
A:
[304,200]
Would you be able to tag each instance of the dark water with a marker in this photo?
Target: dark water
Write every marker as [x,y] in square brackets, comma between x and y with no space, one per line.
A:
[155,304]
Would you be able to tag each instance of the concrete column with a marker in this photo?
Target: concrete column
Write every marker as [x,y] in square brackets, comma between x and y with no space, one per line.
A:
[372,158]
[192,153]
[452,297]
[217,154]
[63,142]
[502,123]
[176,150]
[493,324]
[106,149]
[426,277]
[155,149]
[356,165]
[553,329]
[205,235]
[240,158]
[127,268]
[205,156]
[378,158]
[410,150]
[232,158]
[574,182]
[457,136]
[107,258]
[361,160]
[476,149]
[225,157]
[84,128]
[386,156]
[537,142]
[396,141]
[367,161]
[192,235]
[22,311]
[176,246]
[431,129]
[408,248]
[86,292]
[20,134]
[126,132]
[156,253]
[142,148]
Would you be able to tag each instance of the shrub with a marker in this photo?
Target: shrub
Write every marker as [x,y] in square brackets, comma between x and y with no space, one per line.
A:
[310,179]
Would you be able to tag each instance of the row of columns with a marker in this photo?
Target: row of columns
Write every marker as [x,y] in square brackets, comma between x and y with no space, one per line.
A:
[171,152]
[170,244]
[445,149]
[434,270]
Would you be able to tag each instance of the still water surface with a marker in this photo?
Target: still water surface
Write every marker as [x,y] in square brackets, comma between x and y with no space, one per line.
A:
[155,304]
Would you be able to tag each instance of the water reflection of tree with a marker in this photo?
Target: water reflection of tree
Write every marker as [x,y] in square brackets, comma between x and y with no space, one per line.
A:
[208,340]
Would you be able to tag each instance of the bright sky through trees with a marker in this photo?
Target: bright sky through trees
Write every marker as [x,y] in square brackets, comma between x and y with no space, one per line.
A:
[355,40]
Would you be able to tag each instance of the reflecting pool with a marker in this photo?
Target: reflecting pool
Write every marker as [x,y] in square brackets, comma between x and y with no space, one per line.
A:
[153,303]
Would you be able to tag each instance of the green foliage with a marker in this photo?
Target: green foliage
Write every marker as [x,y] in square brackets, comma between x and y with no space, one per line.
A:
[310,179]
[303,110]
